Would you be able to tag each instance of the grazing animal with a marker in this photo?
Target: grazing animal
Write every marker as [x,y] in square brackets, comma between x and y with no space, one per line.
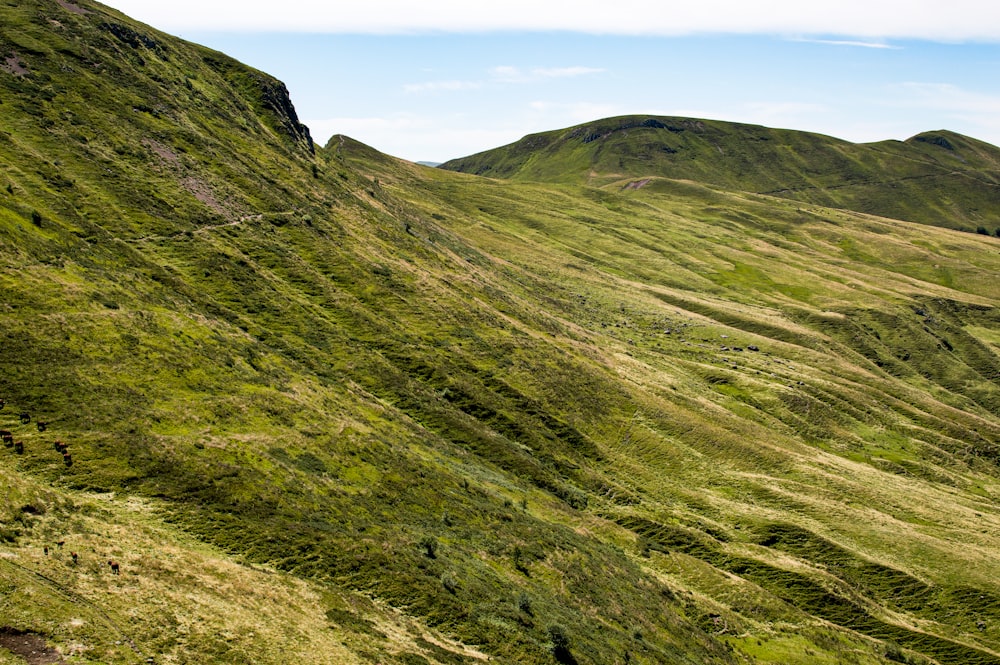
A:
[59,446]
[115,568]
[25,417]
[46,550]
[75,556]
[41,425]
[67,459]
[8,439]
[18,447]
[60,544]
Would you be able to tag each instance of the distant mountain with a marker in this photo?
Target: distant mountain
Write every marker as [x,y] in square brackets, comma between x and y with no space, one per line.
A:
[322,405]
[432,164]
[939,178]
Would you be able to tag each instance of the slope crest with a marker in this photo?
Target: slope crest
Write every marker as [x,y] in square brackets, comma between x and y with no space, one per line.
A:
[939,178]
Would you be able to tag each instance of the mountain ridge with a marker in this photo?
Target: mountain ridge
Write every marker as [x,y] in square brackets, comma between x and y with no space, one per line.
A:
[909,179]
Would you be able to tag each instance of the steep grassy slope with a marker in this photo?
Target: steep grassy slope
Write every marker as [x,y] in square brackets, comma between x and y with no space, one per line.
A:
[175,599]
[211,318]
[327,403]
[939,178]
[793,379]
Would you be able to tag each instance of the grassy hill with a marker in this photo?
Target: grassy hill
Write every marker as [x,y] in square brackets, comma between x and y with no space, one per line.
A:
[938,178]
[323,405]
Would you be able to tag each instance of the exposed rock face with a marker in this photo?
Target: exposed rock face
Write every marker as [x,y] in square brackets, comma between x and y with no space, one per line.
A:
[268,94]
[132,38]
[935,139]
[275,98]
[603,129]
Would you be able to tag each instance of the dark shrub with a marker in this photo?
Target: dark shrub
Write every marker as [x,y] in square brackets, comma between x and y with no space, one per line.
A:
[429,544]
[559,638]
[524,603]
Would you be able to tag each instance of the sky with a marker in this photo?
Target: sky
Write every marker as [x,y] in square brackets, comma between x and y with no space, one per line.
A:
[441,79]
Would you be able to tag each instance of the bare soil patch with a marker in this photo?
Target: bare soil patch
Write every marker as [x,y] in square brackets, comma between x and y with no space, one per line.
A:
[30,646]
[638,184]
[13,65]
[70,7]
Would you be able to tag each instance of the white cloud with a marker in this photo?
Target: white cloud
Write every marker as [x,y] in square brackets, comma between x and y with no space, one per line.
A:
[947,97]
[564,72]
[433,86]
[848,42]
[575,111]
[503,74]
[507,74]
[868,19]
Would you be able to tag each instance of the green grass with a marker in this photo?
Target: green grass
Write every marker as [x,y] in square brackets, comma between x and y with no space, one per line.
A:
[941,178]
[281,372]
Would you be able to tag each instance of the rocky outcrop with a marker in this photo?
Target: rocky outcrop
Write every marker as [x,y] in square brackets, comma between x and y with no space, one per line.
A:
[268,96]
[934,139]
[274,96]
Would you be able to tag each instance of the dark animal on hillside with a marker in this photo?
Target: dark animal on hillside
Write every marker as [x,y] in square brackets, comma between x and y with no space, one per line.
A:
[60,544]
[18,447]
[67,459]
[5,432]
[8,438]
[25,417]
[46,550]
[75,556]
[41,426]
[115,568]
[60,446]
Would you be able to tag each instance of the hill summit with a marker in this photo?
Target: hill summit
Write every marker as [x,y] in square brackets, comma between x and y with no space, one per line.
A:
[938,178]
[267,402]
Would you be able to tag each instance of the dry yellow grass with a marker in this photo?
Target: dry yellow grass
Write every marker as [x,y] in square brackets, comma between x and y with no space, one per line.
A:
[177,599]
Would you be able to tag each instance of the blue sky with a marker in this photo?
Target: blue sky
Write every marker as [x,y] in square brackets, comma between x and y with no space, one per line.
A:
[448,81]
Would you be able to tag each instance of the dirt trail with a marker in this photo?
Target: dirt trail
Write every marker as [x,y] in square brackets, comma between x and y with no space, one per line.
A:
[211,227]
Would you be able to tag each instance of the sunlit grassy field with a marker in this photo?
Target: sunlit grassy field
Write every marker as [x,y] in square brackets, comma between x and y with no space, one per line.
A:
[322,405]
